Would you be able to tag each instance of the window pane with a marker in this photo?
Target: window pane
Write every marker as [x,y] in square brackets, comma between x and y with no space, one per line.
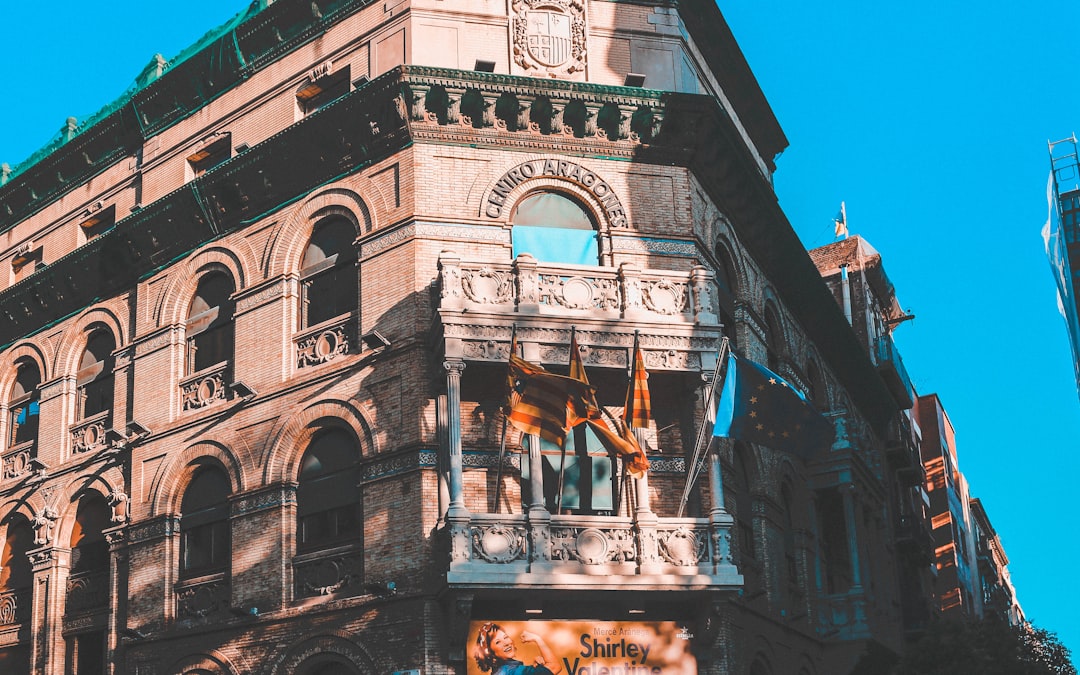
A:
[547,244]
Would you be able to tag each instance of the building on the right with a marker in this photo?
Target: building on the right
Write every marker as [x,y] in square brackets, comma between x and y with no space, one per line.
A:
[998,594]
[1060,235]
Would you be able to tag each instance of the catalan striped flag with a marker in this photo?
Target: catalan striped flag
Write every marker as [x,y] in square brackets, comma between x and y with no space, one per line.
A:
[577,371]
[638,410]
[546,404]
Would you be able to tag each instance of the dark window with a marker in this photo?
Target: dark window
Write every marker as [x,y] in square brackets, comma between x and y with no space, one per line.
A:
[328,503]
[834,540]
[204,524]
[23,404]
[744,504]
[555,228]
[774,339]
[212,153]
[15,570]
[323,91]
[589,480]
[89,550]
[328,272]
[95,379]
[210,323]
[90,654]
[790,561]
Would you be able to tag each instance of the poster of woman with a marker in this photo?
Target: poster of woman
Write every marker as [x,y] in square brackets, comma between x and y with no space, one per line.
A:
[546,647]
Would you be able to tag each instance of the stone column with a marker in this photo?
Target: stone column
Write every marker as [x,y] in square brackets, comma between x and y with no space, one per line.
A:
[644,519]
[50,565]
[858,600]
[117,538]
[539,516]
[457,514]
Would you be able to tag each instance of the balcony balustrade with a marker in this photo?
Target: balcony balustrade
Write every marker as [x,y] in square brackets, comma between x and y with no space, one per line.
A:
[202,599]
[87,592]
[206,387]
[325,342]
[17,460]
[598,552]
[89,434]
[892,370]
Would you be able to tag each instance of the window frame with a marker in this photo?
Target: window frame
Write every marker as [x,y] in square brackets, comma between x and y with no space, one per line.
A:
[343,508]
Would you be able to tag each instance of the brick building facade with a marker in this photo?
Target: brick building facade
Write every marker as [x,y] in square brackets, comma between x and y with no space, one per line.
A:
[257,319]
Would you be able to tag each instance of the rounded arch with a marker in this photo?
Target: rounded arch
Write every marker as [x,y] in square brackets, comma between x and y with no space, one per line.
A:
[296,431]
[308,655]
[184,282]
[211,662]
[171,481]
[816,383]
[104,484]
[73,342]
[290,239]
[499,207]
[730,268]
[9,373]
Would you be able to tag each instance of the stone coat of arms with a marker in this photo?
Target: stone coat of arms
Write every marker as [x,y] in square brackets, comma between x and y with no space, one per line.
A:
[549,36]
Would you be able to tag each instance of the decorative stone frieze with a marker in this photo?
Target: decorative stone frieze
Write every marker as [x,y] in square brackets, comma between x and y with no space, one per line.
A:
[272,497]
[202,600]
[328,572]
[325,342]
[205,388]
[149,530]
[16,462]
[89,434]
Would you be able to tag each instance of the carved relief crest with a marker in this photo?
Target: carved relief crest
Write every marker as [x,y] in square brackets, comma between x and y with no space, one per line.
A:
[549,35]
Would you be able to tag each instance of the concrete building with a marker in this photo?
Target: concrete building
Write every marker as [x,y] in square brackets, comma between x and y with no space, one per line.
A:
[1060,234]
[256,321]
[998,594]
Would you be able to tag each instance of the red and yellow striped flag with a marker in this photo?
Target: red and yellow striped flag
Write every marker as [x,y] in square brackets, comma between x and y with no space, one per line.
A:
[622,443]
[638,411]
[546,404]
[577,371]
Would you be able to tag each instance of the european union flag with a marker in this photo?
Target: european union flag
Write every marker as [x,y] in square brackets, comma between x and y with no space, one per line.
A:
[759,406]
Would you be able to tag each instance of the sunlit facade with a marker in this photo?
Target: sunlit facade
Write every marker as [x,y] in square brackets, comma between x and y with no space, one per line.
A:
[256,322]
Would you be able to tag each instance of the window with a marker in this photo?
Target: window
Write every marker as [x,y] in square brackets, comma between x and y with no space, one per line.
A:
[204,524]
[774,338]
[89,550]
[743,504]
[834,540]
[97,223]
[791,565]
[328,272]
[95,382]
[555,228]
[727,293]
[321,91]
[589,480]
[328,506]
[23,404]
[90,654]
[209,154]
[15,570]
[210,323]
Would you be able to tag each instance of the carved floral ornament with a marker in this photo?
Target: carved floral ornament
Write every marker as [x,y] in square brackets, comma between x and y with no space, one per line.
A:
[597,187]
[549,36]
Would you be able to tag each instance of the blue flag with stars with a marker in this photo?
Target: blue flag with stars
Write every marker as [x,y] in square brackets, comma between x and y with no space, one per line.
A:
[759,406]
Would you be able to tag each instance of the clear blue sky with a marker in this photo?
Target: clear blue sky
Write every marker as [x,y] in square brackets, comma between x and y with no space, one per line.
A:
[929,119]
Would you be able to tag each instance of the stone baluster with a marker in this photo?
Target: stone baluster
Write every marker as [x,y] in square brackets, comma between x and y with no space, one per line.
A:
[539,517]
[450,293]
[592,111]
[701,283]
[558,110]
[416,99]
[453,105]
[528,284]
[645,520]
[633,306]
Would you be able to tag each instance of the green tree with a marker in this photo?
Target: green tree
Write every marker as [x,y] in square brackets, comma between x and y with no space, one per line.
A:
[988,647]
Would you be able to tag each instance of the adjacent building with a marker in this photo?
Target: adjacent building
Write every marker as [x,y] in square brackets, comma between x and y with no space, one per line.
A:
[1060,234]
[257,316]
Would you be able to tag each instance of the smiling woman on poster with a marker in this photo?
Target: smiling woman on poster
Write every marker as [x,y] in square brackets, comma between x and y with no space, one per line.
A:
[495,651]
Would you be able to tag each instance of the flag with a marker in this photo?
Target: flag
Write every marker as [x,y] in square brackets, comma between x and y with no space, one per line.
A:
[623,444]
[841,222]
[637,413]
[758,406]
[546,404]
[577,371]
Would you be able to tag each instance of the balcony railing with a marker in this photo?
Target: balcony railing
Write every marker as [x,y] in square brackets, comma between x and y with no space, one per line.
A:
[89,434]
[87,591]
[528,287]
[892,370]
[328,571]
[325,342]
[495,550]
[206,387]
[16,461]
[14,607]
[202,599]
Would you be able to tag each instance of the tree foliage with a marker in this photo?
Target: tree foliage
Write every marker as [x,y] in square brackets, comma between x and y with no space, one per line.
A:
[989,647]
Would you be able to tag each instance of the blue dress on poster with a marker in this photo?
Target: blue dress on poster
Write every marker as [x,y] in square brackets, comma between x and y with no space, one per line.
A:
[513,667]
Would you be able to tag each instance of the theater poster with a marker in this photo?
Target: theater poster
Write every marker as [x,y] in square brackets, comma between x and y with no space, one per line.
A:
[541,647]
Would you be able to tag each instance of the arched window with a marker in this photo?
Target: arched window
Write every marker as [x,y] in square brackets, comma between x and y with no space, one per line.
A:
[728,291]
[210,323]
[95,380]
[744,515]
[23,404]
[204,524]
[774,338]
[328,506]
[791,571]
[817,394]
[555,228]
[16,574]
[89,550]
[328,272]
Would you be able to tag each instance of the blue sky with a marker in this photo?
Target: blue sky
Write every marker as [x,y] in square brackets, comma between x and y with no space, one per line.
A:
[929,119]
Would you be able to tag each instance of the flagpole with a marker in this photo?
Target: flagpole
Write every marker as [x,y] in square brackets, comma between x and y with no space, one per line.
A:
[506,418]
[696,463]
[562,456]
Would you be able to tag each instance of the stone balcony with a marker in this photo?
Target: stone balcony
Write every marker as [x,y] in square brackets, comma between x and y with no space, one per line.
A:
[591,552]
